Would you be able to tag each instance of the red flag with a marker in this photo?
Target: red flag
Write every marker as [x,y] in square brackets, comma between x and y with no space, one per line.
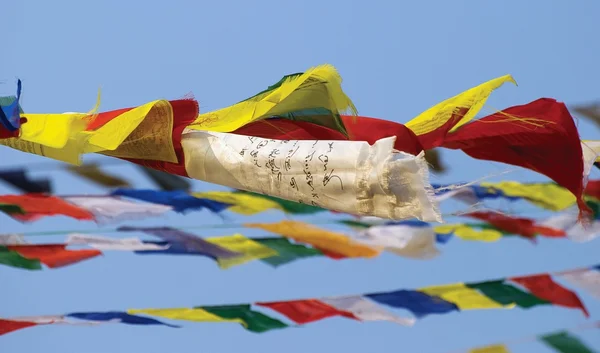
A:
[521,226]
[285,129]
[540,136]
[543,287]
[54,255]
[359,128]
[7,326]
[362,128]
[40,205]
[307,310]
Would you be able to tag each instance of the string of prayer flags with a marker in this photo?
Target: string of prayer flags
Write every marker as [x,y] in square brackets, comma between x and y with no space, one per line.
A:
[251,320]
[410,239]
[19,179]
[523,291]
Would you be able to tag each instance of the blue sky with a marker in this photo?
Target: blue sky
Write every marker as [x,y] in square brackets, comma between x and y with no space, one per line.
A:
[396,58]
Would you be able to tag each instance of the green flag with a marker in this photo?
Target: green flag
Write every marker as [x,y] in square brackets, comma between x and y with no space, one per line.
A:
[254,320]
[14,259]
[287,251]
[505,294]
[565,343]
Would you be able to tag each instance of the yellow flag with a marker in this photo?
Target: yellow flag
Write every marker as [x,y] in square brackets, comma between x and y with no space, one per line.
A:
[316,89]
[472,100]
[243,203]
[144,132]
[319,238]
[546,195]
[497,348]
[187,314]
[464,297]
[466,232]
[238,243]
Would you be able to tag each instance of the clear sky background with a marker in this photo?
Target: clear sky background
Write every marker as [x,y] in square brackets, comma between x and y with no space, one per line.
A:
[397,58]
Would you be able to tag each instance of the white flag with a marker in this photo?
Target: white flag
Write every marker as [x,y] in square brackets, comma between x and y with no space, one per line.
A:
[365,310]
[587,279]
[114,209]
[345,176]
[12,239]
[105,243]
[412,239]
[568,221]
[50,319]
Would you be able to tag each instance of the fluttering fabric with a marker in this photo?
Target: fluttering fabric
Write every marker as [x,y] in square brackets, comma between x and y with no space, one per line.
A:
[344,176]
[143,132]
[543,287]
[106,243]
[495,294]
[108,209]
[563,341]
[365,309]
[19,179]
[117,316]
[324,240]
[549,196]
[515,225]
[36,206]
[189,241]
[166,181]
[540,136]
[411,239]
[587,279]
[179,200]
[10,117]
[53,255]
[315,96]
[93,173]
